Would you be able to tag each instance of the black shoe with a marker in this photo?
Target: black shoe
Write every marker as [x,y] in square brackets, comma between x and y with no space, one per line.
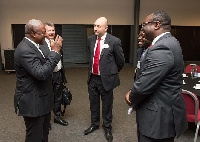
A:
[91,129]
[108,135]
[60,121]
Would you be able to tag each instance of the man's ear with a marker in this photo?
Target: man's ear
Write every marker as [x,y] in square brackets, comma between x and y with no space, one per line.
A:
[33,34]
[106,28]
[158,25]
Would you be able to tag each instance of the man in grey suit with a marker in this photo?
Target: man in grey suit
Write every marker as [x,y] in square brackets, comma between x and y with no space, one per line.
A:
[106,60]
[34,95]
[156,94]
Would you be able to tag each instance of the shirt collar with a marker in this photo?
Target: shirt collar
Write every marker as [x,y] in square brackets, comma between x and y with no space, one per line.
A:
[37,45]
[159,36]
[103,37]
[47,40]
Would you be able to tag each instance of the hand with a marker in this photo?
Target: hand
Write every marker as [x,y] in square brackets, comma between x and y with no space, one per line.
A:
[127,98]
[57,44]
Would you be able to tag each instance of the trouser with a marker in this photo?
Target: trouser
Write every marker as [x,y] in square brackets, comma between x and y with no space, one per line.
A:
[57,90]
[96,90]
[142,138]
[37,128]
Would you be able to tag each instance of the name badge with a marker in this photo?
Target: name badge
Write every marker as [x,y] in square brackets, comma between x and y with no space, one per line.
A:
[105,46]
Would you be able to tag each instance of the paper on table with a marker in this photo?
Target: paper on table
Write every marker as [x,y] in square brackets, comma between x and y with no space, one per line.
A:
[184,75]
[197,86]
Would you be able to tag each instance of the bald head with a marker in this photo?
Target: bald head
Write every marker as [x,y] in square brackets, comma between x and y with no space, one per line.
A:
[102,20]
[100,26]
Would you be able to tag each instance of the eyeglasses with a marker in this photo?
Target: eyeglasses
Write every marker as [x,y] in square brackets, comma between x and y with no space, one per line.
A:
[146,23]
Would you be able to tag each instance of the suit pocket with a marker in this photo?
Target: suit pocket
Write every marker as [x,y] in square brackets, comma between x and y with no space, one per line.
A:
[148,119]
[42,93]
[151,106]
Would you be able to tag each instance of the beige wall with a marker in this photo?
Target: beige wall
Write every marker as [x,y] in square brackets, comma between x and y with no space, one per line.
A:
[118,12]
[182,12]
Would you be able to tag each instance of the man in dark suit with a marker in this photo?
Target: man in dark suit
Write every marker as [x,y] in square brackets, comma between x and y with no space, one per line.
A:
[156,94]
[58,78]
[34,95]
[143,44]
[106,60]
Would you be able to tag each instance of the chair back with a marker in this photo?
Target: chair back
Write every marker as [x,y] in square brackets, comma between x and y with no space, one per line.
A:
[189,68]
[192,105]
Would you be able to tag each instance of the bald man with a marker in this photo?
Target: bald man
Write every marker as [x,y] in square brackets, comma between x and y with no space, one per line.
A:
[33,94]
[105,62]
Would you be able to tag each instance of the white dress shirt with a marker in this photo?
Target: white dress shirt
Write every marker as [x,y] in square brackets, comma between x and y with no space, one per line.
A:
[59,65]
[101,47]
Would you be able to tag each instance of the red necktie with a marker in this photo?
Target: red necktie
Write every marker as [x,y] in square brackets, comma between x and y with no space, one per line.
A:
[96,58]
[150,46]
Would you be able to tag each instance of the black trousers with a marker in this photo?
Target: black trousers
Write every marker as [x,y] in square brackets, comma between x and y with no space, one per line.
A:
[97,91]
[57,90]
[37,128]
[142,138]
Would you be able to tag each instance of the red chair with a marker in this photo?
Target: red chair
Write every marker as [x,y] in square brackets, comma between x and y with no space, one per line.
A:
[192,109]
[190,66]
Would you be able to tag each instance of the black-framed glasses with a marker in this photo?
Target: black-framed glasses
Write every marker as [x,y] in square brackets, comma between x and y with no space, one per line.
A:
[146,23]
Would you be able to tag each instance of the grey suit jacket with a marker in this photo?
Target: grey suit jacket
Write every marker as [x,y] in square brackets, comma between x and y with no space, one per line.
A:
[33,94]
[156,93]
[110,63]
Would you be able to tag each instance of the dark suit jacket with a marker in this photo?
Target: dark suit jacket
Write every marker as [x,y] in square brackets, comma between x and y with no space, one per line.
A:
[33,94]
[156,93]
[139,53]
[46,51]
[110,63]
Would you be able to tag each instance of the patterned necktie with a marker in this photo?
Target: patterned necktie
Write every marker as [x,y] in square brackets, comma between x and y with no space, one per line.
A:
[96,58]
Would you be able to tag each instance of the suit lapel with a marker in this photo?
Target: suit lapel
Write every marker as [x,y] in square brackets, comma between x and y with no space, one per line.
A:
[45,49]
[93,44]
[107,41]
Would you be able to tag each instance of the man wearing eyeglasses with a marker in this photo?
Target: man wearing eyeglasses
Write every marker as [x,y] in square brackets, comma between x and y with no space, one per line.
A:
[33,94]
[156,94]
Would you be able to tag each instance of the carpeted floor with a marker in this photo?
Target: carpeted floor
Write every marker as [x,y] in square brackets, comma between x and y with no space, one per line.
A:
[12,128]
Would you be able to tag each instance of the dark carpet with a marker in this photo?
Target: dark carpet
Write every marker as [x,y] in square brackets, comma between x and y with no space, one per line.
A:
[12,127]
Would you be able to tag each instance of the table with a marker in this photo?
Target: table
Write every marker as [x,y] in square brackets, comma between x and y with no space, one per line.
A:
[190,83]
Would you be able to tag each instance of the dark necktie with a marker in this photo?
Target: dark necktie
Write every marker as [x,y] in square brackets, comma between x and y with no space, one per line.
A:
[96,58]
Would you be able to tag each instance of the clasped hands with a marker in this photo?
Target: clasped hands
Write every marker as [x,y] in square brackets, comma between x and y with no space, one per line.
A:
[57,44]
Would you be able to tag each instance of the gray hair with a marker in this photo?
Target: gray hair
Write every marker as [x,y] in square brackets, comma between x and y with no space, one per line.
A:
[32,25]
[49,24]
